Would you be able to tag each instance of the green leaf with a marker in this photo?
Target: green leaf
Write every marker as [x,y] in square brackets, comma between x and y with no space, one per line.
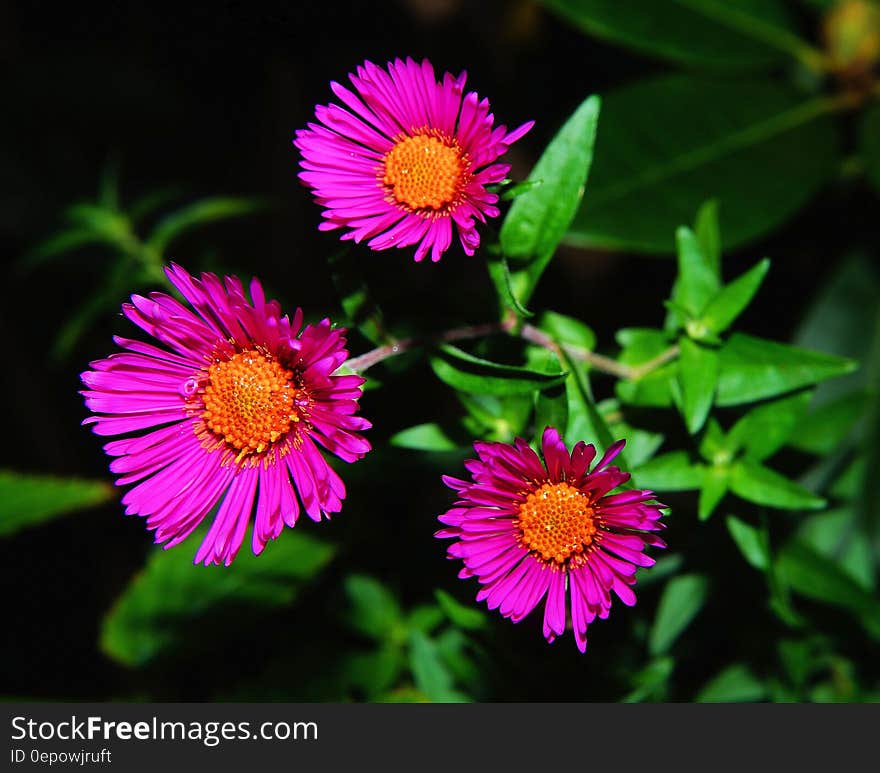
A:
[698,372]
[150,202]
[172,603]
[708,231]
[375,672]
[756,146]
[683,32]
[765,429]
[733,298]
[734,684]
[812,575]
[713,444]
[754,368]
[551,405]
[431,675]
[869,140]
[840,320]
[762,486]
[200,213]
[66,241]
[698,277]
[423,437]
[665,567]
[640,346]
[496,418]
[752,543]
[670,472]
[682,599]
[425,618]
[650,682]
[27,500]
[836,535]
[568,330]
[585,420]
[822,430]
[539,218]
[641,445]
[466,617]
[499,273]
[476,375]
[715,485]
[373,609]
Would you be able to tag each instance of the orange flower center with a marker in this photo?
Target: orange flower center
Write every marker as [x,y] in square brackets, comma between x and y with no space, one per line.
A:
[425,171]
[556,522]
[250,401]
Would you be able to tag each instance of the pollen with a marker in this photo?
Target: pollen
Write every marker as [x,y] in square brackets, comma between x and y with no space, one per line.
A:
[557,523]
[250,401]
[426,172]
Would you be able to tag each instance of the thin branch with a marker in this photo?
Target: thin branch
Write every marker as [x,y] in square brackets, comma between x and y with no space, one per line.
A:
[375,356]
[526,332]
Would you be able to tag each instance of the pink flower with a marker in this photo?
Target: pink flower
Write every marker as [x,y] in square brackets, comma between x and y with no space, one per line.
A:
[530,531]
[404,158]
[229,412]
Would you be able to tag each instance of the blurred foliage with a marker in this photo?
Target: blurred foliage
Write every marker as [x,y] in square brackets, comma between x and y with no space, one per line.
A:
[771,104]
[104,230]
[776,600]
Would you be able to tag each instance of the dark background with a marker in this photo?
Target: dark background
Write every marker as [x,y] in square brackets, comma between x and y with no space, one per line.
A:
[208,96]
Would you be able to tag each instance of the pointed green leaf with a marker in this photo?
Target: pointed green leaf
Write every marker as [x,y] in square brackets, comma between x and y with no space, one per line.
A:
[64,242]
[752,543]
[836,535]
[812,575]
[200,213]
[586,421]
[423,437]
[469,618]
[172,604]
[733,298]
[639,346]
[757,146]
[641,445]
[650,683]
[27,500]
[430,673]
[822,430]
[372,608]
[698,278]
[708,231]
[682,599]
[734,684]
[670,472]
[755,368]
[539,218]
[713,444]
[762,486]
[551,405]
[765,429]
[698,373]
[715,485]
[568,330]
[499,273]
[479,376]
[685,32]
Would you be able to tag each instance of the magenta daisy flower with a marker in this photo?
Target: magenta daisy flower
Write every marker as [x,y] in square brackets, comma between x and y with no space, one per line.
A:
[528,531]
[405,158]
[228,413]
